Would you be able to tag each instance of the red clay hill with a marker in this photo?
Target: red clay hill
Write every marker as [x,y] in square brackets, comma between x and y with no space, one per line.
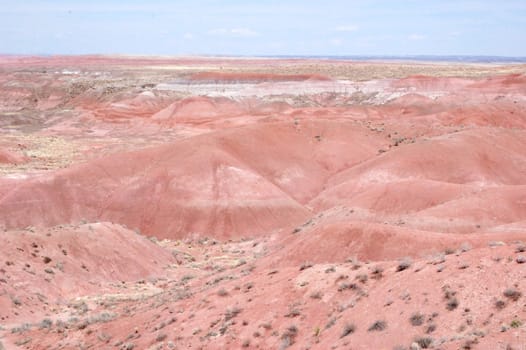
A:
[223,203]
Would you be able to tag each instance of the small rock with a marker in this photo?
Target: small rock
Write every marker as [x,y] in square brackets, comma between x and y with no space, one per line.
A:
[415,346]
[521,259]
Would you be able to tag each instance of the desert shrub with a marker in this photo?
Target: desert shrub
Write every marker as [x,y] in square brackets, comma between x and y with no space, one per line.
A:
[500,304]
[468,344]
[266,325]
[222,292]
[349,328]
[377,272]
[515,324]
[449,251]
[288,337]
[46,323]
[316,295]
[362,278]
[451,300]
[305,265]
[512,293]
[417,319]
[464,247]
[424,342]
[404,264]
[232,312]
[343,286]
[330,323]
[378,326]
[102,317]
[21,329]
[431,328]
[452,304]
[293,312]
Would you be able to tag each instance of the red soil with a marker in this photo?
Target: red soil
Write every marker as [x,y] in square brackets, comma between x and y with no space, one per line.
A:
[11,157]
[291,220]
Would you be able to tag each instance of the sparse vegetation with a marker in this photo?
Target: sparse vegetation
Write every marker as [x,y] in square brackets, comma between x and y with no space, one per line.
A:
[161,337]
[404,264]
[46,323]
[21,329]
[500,304]
[450,297]
[377,326]
[469,344]
[243,283]
[316,295]
[377,272]
[128,346]
[516,323]
[345,285]
[288,337]
[330,323]
[16,301]
[305,265]
[362,278]
[512,294]
[449,251]
[417,319]
[222,292]
[452,303]
[232,312]
[424,342]
[431,328]
[465,247]
[349,328]
[293,312]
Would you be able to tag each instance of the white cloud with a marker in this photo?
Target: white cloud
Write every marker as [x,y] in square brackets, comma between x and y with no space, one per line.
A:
[235,32]
[346,28]
[188,36]
[416,37]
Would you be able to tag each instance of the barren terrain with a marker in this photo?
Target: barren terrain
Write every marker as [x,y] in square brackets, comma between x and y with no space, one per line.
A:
[225,203]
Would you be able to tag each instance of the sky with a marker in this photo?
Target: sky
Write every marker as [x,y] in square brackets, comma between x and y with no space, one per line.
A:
[264,27]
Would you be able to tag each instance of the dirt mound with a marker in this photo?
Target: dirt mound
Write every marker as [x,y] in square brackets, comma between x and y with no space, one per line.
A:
[232,183]
[475,156]
[197,110]
[59,263]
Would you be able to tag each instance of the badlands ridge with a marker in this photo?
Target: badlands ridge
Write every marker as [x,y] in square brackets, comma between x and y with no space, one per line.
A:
[224,203]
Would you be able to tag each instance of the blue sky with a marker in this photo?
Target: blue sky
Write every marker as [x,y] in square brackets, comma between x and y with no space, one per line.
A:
[264,27]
